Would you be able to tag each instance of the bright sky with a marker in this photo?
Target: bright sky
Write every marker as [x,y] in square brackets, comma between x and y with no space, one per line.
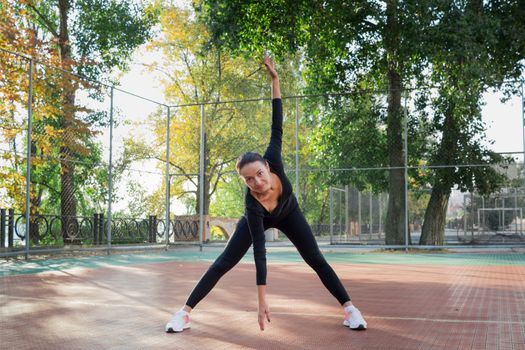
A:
[504,124]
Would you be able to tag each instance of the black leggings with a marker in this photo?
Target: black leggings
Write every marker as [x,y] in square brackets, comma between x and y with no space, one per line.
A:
[295,227]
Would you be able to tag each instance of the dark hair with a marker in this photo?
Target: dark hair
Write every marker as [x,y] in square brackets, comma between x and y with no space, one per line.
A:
[247,158]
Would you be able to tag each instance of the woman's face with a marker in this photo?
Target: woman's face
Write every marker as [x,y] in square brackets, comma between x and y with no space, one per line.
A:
[256,175]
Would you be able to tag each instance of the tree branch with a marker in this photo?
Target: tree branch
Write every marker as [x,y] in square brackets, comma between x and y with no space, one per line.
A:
[214,188]
[48,24]
[181,169]
[172,78]
[188,66]
[45,185]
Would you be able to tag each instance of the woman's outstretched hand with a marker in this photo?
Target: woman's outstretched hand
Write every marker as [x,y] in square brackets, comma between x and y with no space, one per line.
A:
[270,68]
[264,313]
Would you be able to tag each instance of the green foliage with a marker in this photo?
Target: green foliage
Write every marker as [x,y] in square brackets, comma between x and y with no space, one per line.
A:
[229,198]
[461,47]
[346,47]
[464,65]
[350,133]
[107,32]
[217,234]
[191,75]
[90,37]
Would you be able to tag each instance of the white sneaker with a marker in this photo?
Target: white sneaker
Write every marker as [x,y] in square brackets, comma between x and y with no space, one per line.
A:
[179,322]
[354,319]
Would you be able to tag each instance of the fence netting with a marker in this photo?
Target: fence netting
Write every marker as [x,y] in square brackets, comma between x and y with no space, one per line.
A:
[106,170]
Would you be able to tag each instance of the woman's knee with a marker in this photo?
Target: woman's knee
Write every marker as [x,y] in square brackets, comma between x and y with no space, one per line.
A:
[222,266]
[316,261]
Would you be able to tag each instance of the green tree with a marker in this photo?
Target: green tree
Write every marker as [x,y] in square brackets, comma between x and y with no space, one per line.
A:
[194,73]
[467,58]
[462,47]
[347,45]
[90,38]
[350,134]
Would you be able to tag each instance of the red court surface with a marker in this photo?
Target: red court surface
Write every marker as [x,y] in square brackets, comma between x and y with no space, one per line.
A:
[407,306]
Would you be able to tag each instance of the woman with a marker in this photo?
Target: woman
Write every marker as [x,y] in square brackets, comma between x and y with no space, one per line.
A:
[269,202]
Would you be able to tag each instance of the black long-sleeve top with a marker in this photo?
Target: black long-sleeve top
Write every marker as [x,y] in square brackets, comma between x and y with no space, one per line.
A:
[258,217]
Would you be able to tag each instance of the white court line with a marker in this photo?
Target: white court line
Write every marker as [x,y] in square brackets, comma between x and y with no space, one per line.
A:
[74,302]
[424,319]
[396,318]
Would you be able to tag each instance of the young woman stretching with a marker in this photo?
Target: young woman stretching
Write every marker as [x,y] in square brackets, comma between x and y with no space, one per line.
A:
[269,202]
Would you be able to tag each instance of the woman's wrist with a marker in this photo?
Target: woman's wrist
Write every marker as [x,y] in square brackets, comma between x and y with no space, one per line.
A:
[261,293]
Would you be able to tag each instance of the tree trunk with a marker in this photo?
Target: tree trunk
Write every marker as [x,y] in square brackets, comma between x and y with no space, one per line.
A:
[34,208]
[207,197]
[303,195]
[433,229]
[68,203]
[321,216]
[395,216]
[207,185]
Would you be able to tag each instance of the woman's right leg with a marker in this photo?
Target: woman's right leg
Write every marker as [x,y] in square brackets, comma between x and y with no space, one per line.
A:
[237,246]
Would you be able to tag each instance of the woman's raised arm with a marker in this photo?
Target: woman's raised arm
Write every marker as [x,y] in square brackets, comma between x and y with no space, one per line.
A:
[270,68]
[273,152]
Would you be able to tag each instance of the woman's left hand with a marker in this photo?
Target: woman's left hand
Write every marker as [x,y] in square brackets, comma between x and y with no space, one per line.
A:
[270,67]
[264,313]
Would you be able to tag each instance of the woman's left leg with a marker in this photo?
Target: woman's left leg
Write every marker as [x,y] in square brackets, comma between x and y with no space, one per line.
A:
[299,232]
[295,227]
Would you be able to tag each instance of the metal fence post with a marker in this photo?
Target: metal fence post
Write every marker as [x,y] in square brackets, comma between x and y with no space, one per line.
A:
[96,226]
[152,229]
[379,208]
[473,214]
[10,227]
[340,202]
[516,210]
[523,126]
[370,219]
[297,149]
[110,192]
[201,181]
[465,215]
[406,173]
[502,214]
[331,217]
[95,229]
[347,205]
[359,223]
[101,228]
[29,144]
[168,180]
[3,226]
[483,206]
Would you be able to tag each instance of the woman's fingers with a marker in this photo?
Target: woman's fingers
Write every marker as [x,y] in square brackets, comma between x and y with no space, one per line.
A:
[262,314]
[267,61]
[261,317]
[261,322]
